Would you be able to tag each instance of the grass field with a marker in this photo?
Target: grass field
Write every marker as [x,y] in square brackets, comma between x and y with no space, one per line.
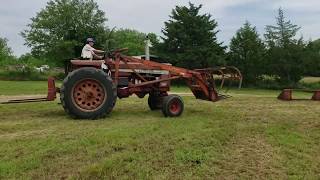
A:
[249,136]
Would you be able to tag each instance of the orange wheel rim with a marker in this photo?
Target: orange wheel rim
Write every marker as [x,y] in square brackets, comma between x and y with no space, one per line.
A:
[88,95]
[175,107]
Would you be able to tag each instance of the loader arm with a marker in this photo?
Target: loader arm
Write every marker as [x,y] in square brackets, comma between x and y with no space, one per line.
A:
[200,82]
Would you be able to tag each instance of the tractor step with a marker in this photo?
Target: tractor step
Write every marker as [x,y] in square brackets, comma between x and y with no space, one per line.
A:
[286,94]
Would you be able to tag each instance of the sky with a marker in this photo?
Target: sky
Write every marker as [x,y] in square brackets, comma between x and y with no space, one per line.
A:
[149,16]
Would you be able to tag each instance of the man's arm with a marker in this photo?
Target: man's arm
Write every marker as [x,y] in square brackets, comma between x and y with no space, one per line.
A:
[94,51]
[95,56]
[98,51]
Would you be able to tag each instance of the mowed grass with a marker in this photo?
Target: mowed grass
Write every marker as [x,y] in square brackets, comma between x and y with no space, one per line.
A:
[249,136]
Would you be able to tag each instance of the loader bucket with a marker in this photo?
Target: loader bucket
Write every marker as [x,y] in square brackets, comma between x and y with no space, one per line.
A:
[209,77]
[222,74]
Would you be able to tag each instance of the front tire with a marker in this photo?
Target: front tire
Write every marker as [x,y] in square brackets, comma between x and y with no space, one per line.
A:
[172,106]
[88,93]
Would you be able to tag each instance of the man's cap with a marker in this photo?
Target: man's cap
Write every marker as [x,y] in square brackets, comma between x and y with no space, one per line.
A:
[90,40]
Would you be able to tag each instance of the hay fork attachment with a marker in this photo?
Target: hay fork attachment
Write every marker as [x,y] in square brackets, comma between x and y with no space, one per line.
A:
[51,96]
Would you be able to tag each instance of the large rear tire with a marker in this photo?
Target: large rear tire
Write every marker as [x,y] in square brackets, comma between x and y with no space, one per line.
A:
[88,93]
[153,102]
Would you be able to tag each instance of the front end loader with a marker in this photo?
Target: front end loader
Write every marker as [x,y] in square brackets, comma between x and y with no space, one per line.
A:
[91,88]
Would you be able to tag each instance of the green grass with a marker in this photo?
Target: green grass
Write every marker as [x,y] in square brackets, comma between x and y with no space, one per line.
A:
[24,87]
[249,136]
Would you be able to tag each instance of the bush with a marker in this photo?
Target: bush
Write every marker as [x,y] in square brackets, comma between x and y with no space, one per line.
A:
[274,82]
[23,68]
[29,74]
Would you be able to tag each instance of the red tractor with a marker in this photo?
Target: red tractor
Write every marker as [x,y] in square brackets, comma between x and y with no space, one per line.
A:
[91,88]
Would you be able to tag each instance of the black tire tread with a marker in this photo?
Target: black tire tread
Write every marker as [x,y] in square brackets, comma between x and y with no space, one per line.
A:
[74,73]
[165,102]
[153,101]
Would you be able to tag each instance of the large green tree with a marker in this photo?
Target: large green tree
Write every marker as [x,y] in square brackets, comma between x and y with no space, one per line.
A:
[59,30]
[285,51]
[247,53]
[131,39]
[190,38]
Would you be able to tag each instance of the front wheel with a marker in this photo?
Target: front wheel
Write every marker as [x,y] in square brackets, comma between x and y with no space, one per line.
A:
[172,106]
[88,93]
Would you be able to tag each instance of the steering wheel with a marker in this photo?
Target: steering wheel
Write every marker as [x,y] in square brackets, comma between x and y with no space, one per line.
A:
[111,53]
[122,50]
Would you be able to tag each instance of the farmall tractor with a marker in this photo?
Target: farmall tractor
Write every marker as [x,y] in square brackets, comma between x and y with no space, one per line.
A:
[91,88]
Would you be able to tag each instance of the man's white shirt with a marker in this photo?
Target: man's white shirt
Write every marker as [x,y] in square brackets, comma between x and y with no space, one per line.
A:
[87,52]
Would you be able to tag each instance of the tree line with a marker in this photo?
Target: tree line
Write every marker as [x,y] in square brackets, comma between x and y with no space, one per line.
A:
[189,39]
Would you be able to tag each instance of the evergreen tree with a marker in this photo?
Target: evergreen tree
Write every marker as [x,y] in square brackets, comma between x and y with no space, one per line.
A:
[283,33]
[285,52]
[190,39]
[247,52]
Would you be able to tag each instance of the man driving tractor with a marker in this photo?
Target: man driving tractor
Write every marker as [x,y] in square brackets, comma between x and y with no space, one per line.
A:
[89,53]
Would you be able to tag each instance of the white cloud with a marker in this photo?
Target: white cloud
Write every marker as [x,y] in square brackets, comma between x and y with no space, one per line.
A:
[221,4]
[298,5]
[14,16]
[150,15]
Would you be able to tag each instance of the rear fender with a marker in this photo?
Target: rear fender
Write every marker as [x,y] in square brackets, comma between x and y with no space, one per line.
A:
[87,63]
